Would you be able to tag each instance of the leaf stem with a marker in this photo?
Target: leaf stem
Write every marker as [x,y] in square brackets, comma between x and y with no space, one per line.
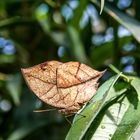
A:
[121,74]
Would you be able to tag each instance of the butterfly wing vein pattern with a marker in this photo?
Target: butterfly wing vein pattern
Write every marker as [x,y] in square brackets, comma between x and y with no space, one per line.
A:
[66,86]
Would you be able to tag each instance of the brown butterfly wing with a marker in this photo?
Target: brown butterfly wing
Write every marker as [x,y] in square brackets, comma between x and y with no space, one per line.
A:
[41,79]
[77,83]
[63,85]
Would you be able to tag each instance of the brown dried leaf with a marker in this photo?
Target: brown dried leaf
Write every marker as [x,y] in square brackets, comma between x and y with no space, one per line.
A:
[66,86]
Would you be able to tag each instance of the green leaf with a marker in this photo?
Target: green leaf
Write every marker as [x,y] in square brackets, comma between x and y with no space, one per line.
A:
[80,123]
[7,22]
[116,121]
[109,118]
[6,59]
[136,84]
[26,130]
[76,45]
[22,53]
[3,76]
[129,22]
[78,12]
[73,30]
[102,6]
[105,50]
[13,85]
[14,21]
[130,120]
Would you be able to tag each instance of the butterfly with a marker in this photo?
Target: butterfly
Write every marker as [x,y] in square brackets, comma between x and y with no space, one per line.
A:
[65,86]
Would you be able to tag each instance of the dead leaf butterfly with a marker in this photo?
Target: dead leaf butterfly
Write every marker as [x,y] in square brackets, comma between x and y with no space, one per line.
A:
[66,86]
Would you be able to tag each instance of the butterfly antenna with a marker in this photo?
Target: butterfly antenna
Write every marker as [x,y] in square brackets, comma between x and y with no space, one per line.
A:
[44,110]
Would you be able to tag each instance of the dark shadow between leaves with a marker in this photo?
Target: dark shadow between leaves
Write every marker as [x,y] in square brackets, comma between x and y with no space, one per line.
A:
[132,97]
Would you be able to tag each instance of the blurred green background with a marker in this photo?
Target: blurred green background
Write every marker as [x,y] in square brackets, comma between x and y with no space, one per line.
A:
[32,32]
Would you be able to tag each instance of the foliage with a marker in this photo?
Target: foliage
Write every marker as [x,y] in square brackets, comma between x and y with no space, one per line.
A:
[32,32]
